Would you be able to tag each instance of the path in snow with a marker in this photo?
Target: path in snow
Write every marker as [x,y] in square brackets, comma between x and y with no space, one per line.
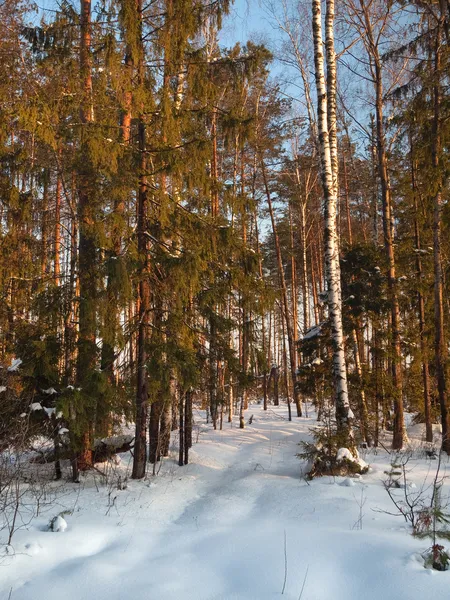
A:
[216,530]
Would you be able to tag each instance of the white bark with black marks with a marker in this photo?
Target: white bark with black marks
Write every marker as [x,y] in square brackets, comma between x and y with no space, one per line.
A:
[330,237]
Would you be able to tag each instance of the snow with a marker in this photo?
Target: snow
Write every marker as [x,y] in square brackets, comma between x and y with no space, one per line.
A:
[50,391]
[349,482]
[52,411]
[216,528]
[344,454]
[312,332]
[58,524]
[2,388]
[63,430]
[115,441]
[35,406]
[15,364]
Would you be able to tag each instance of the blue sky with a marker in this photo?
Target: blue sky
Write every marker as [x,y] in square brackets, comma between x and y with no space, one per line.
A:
[247,19]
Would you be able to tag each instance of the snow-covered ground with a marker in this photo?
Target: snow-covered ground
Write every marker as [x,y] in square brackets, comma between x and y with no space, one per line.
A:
[238,523]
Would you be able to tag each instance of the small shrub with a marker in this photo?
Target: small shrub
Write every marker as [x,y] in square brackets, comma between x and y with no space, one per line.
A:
[436,558]
[325,458]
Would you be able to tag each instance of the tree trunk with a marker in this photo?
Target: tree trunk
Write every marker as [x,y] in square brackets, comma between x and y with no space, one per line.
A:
[331,243]
[441,351]
[421,302]
[399,433]
[230,399]
[57,246]
[87,272]
[187,425]
[284,297]
[140,447]
[44,225]
[167,417]
[331,95]
[181,442]
[363,414]
[154,450]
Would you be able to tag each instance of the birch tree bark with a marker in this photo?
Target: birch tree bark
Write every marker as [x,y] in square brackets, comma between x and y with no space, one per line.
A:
[331,92]
[332,270]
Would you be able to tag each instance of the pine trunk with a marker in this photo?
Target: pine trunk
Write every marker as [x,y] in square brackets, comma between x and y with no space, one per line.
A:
[441,350]
[421,302]
[399,433]
[284,297]
[87,276]
[140,444]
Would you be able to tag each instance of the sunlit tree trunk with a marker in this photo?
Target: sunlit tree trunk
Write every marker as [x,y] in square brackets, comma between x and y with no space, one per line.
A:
[421,303]
[140,444]
[87,349]
[441,349]
[331,241]
[284,297]
[399,433]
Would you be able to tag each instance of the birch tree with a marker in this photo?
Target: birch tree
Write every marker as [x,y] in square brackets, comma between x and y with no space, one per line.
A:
[332,271]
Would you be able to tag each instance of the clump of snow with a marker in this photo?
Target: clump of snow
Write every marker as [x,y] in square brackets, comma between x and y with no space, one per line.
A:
[35,406]
[2,388]
[15,364]
[33,548]
[115,441]
[344,454]
[58,524]
[50,391]
[362,463]
[52,411]
[313,332]
[63,430]
[348,482]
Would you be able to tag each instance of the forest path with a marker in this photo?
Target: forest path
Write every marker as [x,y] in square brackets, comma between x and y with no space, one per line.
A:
[251,470]
[238,523]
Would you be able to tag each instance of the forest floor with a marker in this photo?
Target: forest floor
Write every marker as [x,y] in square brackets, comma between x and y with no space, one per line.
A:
[238,523]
